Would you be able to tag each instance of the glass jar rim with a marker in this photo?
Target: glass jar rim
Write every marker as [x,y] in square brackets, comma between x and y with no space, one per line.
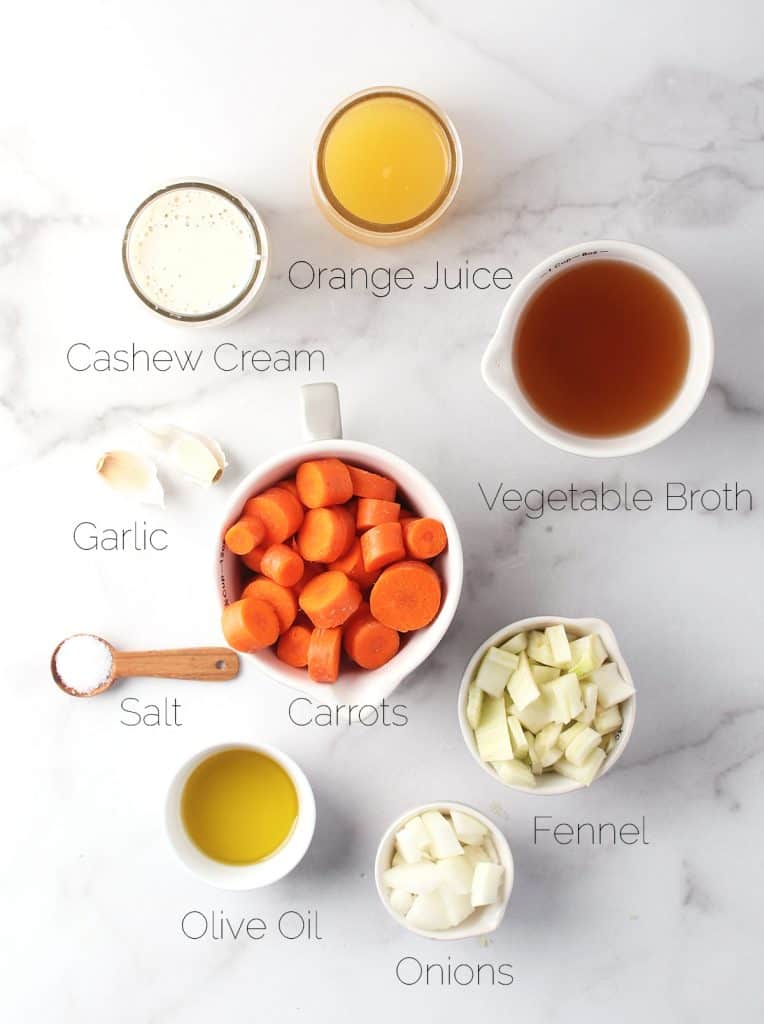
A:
[425,218]
[257,231]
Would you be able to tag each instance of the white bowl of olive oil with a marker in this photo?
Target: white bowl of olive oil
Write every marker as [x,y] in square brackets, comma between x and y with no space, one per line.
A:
[240,815]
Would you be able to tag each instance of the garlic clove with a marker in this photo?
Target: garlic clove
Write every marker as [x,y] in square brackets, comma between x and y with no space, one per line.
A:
[195,460]
[197,457]
[132,475]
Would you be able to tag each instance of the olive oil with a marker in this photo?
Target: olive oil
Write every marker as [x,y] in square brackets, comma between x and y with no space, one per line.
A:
[239,806]
[602,348]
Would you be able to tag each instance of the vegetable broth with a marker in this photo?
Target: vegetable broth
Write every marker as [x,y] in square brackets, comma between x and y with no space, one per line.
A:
[602,348]
[239,806]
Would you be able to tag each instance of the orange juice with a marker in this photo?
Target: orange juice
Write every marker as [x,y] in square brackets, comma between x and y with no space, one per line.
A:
[387,161]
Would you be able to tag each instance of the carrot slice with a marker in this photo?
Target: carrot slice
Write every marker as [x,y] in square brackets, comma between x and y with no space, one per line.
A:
[324,482]
[330,599]
[293,645]
[326,534]
[352,565]
[250,624]
[424,538]
[282,600]
[382,545]
[373,511]
[253,558]
[310,571]
[289,485]
[279,510]
[371,485]
[244,535]
[324,655]
[368,642]
[282,564]
[406,596]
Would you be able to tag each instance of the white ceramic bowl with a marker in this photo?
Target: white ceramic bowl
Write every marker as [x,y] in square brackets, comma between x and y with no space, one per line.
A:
[354,685]
[483,919]
[550,783]
[498,363]
[242,876]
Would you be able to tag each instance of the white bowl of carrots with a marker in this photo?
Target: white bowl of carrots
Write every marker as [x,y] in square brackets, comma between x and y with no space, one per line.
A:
[339,569]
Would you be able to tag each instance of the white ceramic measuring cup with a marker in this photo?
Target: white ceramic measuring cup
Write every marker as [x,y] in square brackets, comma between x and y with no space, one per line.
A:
[323,423]
[498,362]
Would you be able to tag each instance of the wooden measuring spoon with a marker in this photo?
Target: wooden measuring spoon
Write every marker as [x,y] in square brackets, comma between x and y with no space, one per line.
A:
[207,664]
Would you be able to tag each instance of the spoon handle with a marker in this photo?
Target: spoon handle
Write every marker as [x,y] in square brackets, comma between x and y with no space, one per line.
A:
[208,664]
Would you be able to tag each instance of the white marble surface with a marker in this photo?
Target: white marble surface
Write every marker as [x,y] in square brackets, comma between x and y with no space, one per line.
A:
[579,121]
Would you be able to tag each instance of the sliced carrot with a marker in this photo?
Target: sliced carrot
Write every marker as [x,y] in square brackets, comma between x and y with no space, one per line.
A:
[371,485]
[368,642]
[326,534]
[352,565]
[279,510]
[289,485]
[373,511]
[282,600]
[324,482]
[253,558]
[293,645]
[250,624]
[324,655]
[310,571]
[282,564]
[330,599]
[406,596]
[405,514]
[424,538]
[382,545]
[244,535]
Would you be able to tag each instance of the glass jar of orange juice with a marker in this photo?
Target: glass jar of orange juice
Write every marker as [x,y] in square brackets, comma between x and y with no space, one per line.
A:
[387,165]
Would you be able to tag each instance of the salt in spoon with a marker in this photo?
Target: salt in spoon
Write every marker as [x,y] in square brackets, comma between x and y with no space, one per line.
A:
[207,664]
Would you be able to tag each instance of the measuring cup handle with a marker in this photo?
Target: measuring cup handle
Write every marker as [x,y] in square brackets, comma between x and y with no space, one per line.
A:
[208,664]
[321,411]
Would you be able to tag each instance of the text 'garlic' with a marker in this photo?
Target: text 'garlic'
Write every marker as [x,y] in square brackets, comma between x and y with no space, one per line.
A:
[131,475]
[197,457]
